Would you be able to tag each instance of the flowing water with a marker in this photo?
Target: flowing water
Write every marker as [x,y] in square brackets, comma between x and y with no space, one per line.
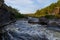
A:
[22,30]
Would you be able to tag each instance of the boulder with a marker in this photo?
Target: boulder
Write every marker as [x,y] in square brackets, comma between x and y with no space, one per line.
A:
[33,20]
[53,24]
[43,21]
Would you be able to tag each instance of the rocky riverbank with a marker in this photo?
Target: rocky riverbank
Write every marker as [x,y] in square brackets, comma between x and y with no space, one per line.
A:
[22,30]
[6,17]
[49,23]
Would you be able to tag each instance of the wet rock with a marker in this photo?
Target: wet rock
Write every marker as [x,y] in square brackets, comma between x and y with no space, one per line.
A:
[43,21]
[53,24]
[6,17]
[1,2]
[33,20]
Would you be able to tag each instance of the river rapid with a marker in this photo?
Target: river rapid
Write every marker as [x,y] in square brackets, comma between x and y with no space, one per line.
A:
[22,30]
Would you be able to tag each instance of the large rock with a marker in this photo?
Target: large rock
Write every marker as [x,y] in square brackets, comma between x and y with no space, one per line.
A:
[33,20]
[1,2]
[6,17]
[52,23]
[43,21]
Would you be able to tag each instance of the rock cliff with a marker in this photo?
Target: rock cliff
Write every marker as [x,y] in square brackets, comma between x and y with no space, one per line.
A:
[6,16]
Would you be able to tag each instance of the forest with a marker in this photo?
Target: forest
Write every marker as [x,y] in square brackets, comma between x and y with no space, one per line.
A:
[52,9]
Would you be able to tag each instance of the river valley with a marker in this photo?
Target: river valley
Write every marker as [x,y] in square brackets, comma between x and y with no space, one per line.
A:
[22,30]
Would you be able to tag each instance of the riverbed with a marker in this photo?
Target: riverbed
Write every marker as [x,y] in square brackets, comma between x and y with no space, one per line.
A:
[22,30]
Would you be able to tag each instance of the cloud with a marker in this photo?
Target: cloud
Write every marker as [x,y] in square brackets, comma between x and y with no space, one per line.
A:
[19,2]
[45,3]
[28,6]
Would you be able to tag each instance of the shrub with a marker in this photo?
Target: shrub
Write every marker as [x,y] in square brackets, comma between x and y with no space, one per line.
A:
[50,16]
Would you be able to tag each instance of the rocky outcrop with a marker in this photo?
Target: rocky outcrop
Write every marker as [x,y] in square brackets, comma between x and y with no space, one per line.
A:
[5,16]
[33,20]
[1,2]
[43,21]
[54,23]
[49,22]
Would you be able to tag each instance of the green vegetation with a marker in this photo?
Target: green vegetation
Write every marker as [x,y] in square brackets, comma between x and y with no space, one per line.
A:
[50,16]
[9,9]
[16,12]
[48,11]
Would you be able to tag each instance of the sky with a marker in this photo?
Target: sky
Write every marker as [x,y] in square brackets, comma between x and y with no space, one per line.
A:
[29,6]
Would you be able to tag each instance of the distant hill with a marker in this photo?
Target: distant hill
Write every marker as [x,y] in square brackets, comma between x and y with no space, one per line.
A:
[53,9]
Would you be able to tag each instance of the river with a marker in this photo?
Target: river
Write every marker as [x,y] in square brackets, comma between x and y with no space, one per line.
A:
[22,30]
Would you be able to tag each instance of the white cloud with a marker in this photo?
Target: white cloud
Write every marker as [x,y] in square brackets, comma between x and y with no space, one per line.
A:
[26,6]
[19,2]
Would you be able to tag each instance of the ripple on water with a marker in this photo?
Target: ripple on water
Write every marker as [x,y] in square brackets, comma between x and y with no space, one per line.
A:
[22,30]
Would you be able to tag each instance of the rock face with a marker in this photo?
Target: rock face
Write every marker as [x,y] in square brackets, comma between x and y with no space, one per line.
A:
[5,16]
[1,2]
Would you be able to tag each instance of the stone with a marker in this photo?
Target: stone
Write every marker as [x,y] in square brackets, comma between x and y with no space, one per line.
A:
[1,2]
[33,20]
[6,17]
[43,21]
[54,23]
